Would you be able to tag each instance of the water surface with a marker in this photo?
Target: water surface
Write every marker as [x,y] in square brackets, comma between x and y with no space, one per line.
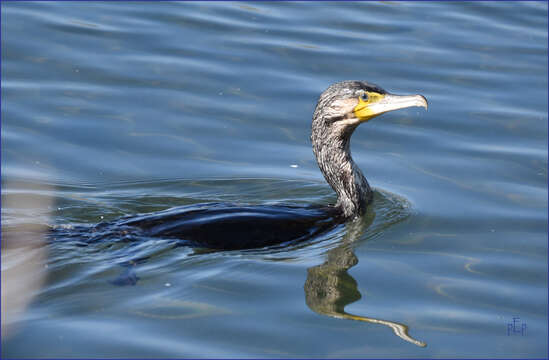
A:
[111,109]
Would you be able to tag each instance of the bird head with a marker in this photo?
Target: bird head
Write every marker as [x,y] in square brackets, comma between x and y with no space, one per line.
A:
[345,105]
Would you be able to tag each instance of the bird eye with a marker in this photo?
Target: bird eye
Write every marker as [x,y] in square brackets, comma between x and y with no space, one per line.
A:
[364,96]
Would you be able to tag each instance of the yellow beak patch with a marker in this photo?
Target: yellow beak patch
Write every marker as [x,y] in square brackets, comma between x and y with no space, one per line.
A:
[372,104]
[363,111]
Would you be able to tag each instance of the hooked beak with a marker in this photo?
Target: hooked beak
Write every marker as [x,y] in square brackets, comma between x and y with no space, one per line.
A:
[388,102]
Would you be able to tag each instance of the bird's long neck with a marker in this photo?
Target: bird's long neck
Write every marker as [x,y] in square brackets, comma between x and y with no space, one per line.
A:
[333,155]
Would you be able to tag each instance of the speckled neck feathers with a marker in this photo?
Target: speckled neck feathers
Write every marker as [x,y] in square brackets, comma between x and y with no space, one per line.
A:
[331,139]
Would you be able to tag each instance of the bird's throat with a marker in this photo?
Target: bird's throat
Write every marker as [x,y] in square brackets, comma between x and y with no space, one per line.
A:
[340,171]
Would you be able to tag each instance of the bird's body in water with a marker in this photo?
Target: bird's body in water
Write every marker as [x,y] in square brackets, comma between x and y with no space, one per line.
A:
[340,109]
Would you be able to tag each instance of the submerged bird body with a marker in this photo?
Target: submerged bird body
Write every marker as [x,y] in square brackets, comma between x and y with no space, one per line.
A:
[340,109]
[235,227]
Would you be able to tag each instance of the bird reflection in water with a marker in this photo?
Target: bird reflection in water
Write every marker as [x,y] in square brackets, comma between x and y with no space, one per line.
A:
[329,287]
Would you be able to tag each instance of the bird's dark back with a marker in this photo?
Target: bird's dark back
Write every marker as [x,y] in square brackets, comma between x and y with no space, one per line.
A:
[229,227]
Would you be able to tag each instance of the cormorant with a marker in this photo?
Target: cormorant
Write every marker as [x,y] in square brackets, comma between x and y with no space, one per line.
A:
[340,109]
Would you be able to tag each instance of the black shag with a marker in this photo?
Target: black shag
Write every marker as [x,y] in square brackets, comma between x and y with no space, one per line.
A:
[340,109]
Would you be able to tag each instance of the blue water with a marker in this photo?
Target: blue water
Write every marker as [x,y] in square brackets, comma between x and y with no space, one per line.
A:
[112,109]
